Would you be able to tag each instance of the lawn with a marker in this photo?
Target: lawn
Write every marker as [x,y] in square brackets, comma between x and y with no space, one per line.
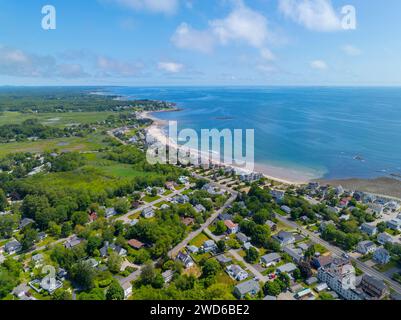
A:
[386,267]
[199,240]
[55,119]
[149,199]
[89,143]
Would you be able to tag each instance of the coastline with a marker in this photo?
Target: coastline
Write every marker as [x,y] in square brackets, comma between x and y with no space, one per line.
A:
[278,174]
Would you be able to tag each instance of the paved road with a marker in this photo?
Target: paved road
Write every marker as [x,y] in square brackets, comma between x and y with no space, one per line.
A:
[361,265]
[125,218]
[173,252]
[238,257]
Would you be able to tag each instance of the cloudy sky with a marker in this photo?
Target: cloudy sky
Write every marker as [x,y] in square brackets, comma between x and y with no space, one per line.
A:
[201,42]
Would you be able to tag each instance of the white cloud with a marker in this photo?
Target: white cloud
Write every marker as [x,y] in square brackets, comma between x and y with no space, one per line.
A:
[318,64]
[157,6]
[186,37]
[242,24]
[316,15]
[266,54]
[170,67]
[351,50]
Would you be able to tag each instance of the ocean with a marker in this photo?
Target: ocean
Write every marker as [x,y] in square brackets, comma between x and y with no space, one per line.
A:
[320,132]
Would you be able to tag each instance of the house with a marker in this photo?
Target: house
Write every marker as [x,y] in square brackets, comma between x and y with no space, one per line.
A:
[277,195]
[325,224]
[286,209]
[12,247]
[311,280]
[295,253]
[384,238]
[164,206]
[287,268]
[193,249]
[248,245]
[183,180]
[225,216]
[188,221]
[92,217]
[284,238]
[22,292]
[369,229]
[185,259]
[93,263]
[305,294]
[321,261]
[236,272]
[170,185]
[136,244]
[110,212]
[37,258]
[223,260]
[321,287]
[366,247]
[382,256]
[127,287]
[167,275]
[394,224]
[250,287]
[392,206]
[209,245]
[104,251]
[73,242]
[339,190]
[134,222]
[270,259]
[272,225]
[270,298]
[61,274]
[232,227]
[148,213]
[375,288]
[376,209]
[199,208]
[41,236]
[25,222]
[242,238]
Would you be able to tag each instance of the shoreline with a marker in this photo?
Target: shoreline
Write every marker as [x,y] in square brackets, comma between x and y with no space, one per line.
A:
[275,173]
[381,186]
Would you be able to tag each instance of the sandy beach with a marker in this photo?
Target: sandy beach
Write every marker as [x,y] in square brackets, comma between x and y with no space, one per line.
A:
[282,175]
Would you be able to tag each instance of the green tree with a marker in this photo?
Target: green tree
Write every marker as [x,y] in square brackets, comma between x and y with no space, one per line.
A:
[3,200]
[221,245]
[220,227]
[29,237]
[83,275]
[115,291]
[114,262]
[272,288]
[252,255]
[210,268]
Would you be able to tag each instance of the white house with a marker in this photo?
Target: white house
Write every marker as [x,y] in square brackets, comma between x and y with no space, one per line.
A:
[381,256]
[237,272]
[366,247]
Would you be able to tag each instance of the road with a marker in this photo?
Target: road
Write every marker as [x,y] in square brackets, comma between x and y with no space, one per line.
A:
[337,251]
[173,252]
[238,257]
[125,218]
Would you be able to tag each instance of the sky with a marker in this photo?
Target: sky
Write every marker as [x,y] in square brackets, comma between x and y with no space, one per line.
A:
[201,42]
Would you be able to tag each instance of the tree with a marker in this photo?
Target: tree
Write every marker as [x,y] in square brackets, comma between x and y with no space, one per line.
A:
[83,275]
[114,262]
[220,227]
[297,274]
[93,243]
[34,204]
[272,288]
[62,295]
[29,238]
[121,206]
[7,283]
[305,269]
[8,223]
[115,291]
[221,245]
[66,229]
[3,200]
[80,218]
[210,268]
[252,255]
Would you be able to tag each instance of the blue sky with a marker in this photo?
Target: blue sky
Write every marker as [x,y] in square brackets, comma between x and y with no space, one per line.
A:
[200,42]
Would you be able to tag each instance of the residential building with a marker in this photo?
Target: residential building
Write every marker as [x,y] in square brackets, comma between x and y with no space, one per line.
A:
[339,276]
[270,259]
[277,195]
[382,256]
[193,249]
[104,251]
[148,213]
[110,212]
[232,227]
[250,287]
[287,268]
[209,245]
[236,272]
[322,261]
[12,247]
[284,238]
[127,287]
[25,222]
[136,244]
[366,247]
[199,208]
[185,259]
[286,209]
[242,238]
[224,260]
[384,238]
[369,229]
[272,225]
[295,253]
[375,288]
[73,242]
[167,275]
[394,224]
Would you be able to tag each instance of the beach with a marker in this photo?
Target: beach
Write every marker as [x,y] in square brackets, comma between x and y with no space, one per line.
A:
[283,175]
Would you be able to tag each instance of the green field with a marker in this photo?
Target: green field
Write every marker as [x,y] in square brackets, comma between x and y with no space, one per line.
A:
[90,143]
[55,119]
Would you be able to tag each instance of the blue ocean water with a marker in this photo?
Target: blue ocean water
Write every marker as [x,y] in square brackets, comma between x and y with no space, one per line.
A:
[331,132]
